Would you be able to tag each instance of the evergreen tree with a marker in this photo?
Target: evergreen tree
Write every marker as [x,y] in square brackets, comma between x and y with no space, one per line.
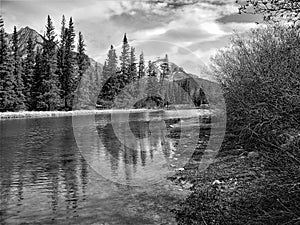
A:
[28,73]
[165,70]
[68,75]
[152,83]
[133,67]
[125,62]
[17,73]
[112,62]
[50,92]
[37,84]
[63,31]
[141,66]
[82,60]
[110,79]
[84,80]
[105,73]
[7,93]
[61,51]
[142,83]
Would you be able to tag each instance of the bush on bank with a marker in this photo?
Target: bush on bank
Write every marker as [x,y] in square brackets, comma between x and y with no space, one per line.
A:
[260,76]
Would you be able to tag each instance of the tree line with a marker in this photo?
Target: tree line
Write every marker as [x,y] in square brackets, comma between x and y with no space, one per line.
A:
[128,82]
[55,75]
[46,77]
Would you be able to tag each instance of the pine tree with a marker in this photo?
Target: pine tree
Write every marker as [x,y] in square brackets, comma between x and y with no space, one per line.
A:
[82,94]
[68,74]
[105,73]
[110,80]
[82,61]
[63,31]
[17,73]
[165,70]
[141,66]
[142,83]
[28,73]
[50,92]
[61,51]
[112,62]
[125,62]
[133,68]
[7,93]
[152,83]
[37,88]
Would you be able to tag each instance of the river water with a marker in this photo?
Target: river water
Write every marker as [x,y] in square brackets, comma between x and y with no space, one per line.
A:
[108,169]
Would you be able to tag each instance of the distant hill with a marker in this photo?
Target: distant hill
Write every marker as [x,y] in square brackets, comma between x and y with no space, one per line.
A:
[90,82]
[195,83]
[26,32]
[177,74]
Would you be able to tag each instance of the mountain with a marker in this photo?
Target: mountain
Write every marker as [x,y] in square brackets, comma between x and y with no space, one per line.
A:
[177,74]
[90,81]
[24,34]
[191,82]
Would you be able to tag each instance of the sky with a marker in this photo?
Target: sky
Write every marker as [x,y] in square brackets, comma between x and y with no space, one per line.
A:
[189,31]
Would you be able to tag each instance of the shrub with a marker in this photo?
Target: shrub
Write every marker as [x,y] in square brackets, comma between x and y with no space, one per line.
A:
[260,76]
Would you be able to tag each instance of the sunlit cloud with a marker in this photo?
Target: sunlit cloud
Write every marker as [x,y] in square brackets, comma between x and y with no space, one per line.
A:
[200,27]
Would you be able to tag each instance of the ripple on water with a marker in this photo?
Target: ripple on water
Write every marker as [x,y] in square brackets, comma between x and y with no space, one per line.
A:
[44,177]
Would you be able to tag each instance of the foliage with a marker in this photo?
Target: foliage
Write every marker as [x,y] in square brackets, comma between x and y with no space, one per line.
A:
[49,96]
[110,83]
[246,194]
[37,80]
[273,10]
[260,78]
[17,73]
[49,75]
[125,62]
[82,60]
[259,74]
[28,73]
[7,81]
[142,68]
[68,79]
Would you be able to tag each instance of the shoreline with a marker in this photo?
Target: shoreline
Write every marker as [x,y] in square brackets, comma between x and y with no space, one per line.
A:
[50,114]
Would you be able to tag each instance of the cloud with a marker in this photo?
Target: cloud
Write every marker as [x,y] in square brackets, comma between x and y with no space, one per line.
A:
[240,18]
[188,30]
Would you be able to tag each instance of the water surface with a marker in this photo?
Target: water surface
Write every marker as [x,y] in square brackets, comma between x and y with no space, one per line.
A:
[49,173]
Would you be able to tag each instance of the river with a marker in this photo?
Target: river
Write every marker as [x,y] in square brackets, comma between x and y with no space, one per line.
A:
[104,169]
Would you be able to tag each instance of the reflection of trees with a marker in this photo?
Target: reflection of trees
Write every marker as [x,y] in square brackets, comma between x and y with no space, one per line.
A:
[123,149]
[70,164]
[83,174]
[29,165]
[111,144]
[6,166]
[128,150]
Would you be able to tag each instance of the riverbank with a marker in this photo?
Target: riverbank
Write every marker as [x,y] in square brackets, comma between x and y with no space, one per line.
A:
[242,187]
[47,114]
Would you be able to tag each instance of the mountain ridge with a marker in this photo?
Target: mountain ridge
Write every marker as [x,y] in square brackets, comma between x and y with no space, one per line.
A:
[25,32]
[177,73]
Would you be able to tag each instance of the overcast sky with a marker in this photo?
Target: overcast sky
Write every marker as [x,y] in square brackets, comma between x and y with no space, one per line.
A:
[190,31]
